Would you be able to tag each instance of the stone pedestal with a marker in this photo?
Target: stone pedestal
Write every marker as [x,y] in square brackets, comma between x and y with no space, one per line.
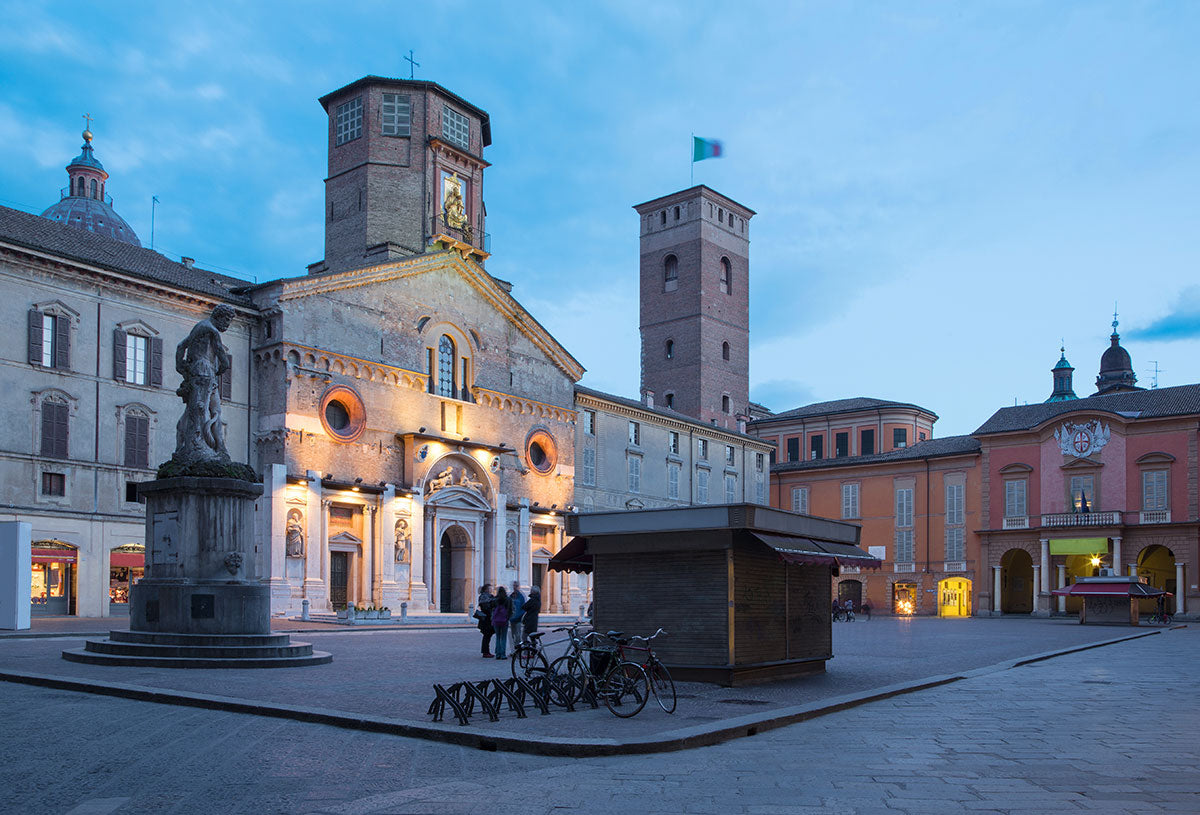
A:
[201,560]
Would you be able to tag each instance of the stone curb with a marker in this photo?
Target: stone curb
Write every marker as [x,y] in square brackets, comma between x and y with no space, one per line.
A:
[492,740]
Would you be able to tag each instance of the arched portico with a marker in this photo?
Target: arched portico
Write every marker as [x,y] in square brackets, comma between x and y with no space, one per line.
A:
[1016,582]
[459,520]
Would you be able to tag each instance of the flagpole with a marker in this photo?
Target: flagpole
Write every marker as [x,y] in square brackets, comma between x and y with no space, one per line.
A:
[692,172]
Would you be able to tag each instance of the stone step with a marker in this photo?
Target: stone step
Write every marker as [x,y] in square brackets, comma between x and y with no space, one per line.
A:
[284,649]
[199,640]
[93,658]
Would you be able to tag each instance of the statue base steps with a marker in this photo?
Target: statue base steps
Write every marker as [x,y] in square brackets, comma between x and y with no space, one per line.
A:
[162,650]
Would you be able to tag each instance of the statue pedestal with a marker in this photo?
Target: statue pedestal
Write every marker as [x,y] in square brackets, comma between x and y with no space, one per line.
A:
[202,565]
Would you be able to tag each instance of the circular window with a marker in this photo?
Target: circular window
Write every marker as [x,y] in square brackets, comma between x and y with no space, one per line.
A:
[540,451]
[342,413]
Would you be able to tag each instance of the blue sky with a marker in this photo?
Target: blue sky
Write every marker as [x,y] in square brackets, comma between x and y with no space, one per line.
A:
[944,191]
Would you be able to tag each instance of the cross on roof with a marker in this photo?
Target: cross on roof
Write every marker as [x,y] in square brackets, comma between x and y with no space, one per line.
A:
[88,117]
[412,65]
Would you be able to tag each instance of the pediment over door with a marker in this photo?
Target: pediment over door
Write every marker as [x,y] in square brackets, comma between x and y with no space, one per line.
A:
[459,498]
[542,553]
[345,542]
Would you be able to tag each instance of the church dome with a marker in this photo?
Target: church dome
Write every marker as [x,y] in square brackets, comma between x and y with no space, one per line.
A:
[1115,358]
[84,204]
[1116,367]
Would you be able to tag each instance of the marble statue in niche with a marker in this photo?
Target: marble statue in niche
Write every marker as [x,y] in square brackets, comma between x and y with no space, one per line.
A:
[294,534]
[403,541]
[510,549]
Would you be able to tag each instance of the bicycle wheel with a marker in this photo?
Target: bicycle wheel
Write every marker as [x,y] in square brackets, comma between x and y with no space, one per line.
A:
[625,689]
[663,686]
[527,661]
[567,678]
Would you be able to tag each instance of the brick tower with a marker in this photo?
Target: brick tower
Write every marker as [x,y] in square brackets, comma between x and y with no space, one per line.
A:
[405,172]
[695,304]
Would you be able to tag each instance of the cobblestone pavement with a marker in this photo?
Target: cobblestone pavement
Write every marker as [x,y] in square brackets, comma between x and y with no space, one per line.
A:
[390,673]
[1108,730]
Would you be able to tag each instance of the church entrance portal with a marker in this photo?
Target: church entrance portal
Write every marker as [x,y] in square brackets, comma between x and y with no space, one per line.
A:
[1016,582]
[954,597]
[339,579]
[456,588]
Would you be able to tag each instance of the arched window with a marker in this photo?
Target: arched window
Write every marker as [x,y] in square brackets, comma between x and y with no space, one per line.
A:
[726,276]
[446,367]
[663,217]
[670,349]
[94,189]
[677,213]
[670,273]
[671,400]
[725,404]
[725,351]
[81,187]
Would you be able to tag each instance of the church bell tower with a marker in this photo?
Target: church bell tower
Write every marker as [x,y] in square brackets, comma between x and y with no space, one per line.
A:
[695,304]
[405,173]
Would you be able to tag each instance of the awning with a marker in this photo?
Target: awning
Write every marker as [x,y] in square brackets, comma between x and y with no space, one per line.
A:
[806,551]
[54,555]
[1110,590]
[573,557]
[1078,546]
[134,560]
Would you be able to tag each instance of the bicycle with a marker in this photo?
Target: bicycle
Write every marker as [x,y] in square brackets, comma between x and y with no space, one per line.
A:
[1163,618]
[660,678]
[529,658]
[623,686]
[843,616]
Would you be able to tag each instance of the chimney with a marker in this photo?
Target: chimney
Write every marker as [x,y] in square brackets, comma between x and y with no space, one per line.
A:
[188,262]
[648,398]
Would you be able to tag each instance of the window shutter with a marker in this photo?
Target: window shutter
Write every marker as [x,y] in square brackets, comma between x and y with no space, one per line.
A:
[54,430]
[35,337]
[119,338]
[226,384]
[130,441]
[156,362]
[62,342]
[137,441]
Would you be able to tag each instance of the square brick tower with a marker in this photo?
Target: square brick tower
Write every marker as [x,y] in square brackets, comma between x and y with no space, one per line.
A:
[695,296]
[405,171]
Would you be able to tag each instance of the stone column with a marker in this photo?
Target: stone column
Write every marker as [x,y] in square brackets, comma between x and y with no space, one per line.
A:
[525,543]
[1116,555]
[391,589]
[274,536]
[1037,590]
[1180,588]
[552,582]
[1062,584]
[996,591]
[374,568]
[429,548]
[315,544]
[1133,570]
[418,591]
[565,596]
[1044,586]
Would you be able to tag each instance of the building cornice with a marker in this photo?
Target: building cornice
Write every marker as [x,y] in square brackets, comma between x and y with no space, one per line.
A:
[698,429]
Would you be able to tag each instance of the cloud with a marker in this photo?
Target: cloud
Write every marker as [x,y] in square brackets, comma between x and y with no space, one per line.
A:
[1182,323]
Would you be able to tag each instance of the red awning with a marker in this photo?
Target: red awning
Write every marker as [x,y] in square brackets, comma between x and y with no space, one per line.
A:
[134,560]
[809,552]
[1110,590]
[573,557]
[54,555]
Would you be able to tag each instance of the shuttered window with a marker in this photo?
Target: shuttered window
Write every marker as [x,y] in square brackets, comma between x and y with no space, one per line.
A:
[1014,498]
[49,340]
[672,480]
[955,547]
[954,505]
[904,546]
[702,486]
[850,500]
[54,429]
[1154,490]
[137,441]
[730,489]
[635,473]
[225,384]
[904,507]
[589,466]
[800,499]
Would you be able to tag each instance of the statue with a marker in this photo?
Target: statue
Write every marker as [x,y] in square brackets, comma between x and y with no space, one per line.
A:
[403,541]
[465,480]
[510,549]
[453,209]
[202,359]
[443,479]
[295,533]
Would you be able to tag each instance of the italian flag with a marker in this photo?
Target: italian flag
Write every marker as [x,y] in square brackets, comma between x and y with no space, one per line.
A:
[706,148]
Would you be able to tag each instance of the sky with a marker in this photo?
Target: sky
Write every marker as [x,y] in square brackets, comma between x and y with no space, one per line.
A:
[946,192]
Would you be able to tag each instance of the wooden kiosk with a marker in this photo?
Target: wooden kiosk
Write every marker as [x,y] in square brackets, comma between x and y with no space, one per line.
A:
[742,590]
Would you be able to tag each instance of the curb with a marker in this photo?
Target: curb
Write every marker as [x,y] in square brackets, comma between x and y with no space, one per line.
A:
[493,741]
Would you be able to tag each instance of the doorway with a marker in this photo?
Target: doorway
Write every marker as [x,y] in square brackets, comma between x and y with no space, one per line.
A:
[539,577]
[850,590]
[455,584]
[1016,582]
[954,597]
[339,579]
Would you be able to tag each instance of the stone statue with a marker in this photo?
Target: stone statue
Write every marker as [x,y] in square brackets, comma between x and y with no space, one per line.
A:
[442,480]
[403,541]
[295,533]
[510,549]
[466,480]
[452,205]
[201,359]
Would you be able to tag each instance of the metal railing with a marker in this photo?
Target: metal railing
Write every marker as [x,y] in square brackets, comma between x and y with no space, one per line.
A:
[463,233]
[65,192]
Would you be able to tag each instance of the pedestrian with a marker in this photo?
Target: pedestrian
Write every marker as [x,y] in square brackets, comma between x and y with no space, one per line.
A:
[865,609]
[483,613]
[516,623]
[837,609]
[501,611]
[532,607]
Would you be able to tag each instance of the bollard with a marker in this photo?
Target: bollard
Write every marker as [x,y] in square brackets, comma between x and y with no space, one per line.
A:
[304,609]
[403,612]
[582,611]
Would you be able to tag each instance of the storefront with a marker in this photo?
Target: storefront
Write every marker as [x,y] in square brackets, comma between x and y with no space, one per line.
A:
[904,598]
[54,591]
[126,566]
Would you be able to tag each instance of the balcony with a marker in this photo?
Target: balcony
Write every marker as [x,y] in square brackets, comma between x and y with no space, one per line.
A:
[65,192]
[460,236]
[1155,516]
[1016,522]
[904,567]
[1076,519]
[954,566]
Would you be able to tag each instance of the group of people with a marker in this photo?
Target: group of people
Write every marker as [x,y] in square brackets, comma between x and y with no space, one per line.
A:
[504,612]
[846,608]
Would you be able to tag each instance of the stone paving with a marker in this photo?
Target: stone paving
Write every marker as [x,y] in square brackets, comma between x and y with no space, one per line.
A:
[389,674]
[1108,730]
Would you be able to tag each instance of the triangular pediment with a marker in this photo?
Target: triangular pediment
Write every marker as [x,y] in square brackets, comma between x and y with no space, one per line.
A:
[346,537]
[460,498]
[541,552]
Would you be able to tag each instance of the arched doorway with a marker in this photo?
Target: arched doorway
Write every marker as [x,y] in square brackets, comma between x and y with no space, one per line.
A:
[1156,564]
[954,597]
[456,590]
[850,590]
[126,566]
[1016,582]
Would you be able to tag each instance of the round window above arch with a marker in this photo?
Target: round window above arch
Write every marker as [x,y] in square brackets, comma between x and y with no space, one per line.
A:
[342,413]
[541,453]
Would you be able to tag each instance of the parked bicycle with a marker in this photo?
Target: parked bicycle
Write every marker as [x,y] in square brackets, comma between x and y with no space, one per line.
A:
[1160,617]
[843,615]
[529,658]
[660,678]
[623,686]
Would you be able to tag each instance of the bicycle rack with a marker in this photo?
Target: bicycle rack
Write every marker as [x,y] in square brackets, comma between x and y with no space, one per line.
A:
[491,695]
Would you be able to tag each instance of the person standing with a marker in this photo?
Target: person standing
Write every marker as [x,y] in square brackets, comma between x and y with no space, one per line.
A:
[516,625]
[501,611]
[533,607]
[483,613]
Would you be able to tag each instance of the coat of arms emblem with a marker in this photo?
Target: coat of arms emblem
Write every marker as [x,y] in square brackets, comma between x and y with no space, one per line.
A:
[1081,440]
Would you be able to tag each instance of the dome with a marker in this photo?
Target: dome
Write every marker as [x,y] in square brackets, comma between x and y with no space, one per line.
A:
[1116,368]
[1115,358]
[93,216]
[86,157]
